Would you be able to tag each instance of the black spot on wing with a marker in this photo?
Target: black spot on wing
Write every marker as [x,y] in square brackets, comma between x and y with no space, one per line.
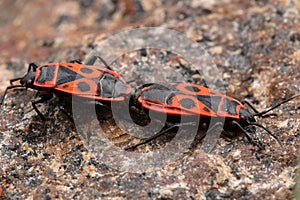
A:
[187,103]
[86,70]
[47,73]
[211,102]
[206,109]
[170,98]
[229,106]
[83,86]
[66,75]
[192,88]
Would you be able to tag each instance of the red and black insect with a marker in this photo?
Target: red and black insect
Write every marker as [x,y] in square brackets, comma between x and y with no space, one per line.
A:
[188,100]
[88,82]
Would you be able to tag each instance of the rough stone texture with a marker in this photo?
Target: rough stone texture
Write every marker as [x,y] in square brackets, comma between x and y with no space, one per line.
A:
[255,45]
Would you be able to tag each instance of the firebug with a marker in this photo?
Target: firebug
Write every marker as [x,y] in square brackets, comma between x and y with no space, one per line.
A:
[186,99]
[94,83]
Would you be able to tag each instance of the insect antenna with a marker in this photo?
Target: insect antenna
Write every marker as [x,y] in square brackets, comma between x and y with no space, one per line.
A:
[268,131]
[276,106]
[8,88]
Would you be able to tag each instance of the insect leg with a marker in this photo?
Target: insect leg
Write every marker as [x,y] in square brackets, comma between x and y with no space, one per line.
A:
[66,114]
[76,61]
[268,131]
[160,133]
[32,65]
[92,59]
[250,105]
[14,80]
[247,135]
[40,99]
